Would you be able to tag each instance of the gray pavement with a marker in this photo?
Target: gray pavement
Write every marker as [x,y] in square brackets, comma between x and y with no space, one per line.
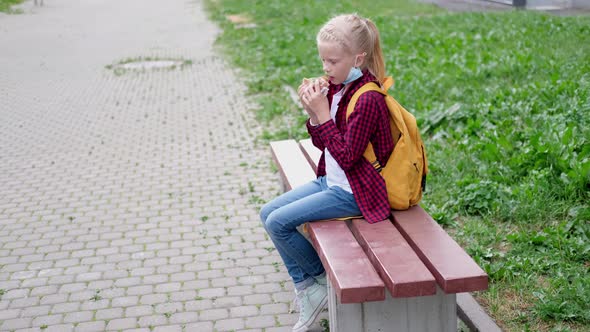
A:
[129,199]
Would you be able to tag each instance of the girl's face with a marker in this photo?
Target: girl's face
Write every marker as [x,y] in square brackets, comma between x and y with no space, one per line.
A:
[336,61]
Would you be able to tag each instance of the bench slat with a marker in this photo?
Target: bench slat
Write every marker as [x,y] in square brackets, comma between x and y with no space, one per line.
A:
[396,262]
[353,277]
[293,165]
[454,270]
[312,153]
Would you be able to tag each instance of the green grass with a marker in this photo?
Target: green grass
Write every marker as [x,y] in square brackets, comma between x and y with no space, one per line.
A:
[503,103]
[5,5]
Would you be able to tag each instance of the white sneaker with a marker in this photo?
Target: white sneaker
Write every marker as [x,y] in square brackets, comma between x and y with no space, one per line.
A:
[311,302]
[294,307]
[322,280]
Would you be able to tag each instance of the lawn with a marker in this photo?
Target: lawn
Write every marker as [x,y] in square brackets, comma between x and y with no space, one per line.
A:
[6,4]
[503,104]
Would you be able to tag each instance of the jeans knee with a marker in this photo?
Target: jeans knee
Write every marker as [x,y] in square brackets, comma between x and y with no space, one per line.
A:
[273,226]
[264,212]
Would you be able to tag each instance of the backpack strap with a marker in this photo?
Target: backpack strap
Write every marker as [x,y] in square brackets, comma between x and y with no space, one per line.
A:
[369,153]
[370,86]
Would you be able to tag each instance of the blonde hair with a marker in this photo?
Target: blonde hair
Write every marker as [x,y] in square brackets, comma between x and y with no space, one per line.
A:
[356,35]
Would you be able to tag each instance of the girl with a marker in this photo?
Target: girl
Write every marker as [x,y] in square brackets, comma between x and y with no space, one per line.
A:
[347,184]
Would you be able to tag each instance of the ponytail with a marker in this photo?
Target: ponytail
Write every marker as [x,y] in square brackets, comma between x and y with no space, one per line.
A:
[375,62]
[356,35]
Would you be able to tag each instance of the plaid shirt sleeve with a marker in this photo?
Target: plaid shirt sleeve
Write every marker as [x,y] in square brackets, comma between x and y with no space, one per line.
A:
[349,147]
[311,130]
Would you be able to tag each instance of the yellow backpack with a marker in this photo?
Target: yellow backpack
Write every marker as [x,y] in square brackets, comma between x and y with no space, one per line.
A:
[406,168]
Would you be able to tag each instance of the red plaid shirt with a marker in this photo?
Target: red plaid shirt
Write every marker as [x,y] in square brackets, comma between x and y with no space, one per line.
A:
[347,141]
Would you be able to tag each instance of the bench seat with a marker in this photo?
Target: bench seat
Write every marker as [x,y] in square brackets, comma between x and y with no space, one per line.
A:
[421,266]
[396,262]
[341,254]
[454,270]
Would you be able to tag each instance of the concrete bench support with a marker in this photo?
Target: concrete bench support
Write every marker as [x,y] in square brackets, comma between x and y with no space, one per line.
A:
[409,314]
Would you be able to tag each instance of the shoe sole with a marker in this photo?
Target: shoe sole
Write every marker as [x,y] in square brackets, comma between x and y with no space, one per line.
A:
[313,316]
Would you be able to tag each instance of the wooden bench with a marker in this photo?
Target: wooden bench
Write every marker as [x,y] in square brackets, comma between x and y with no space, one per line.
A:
[411,256]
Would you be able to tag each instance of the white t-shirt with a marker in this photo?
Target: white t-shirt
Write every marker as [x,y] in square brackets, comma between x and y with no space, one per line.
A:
[334,174]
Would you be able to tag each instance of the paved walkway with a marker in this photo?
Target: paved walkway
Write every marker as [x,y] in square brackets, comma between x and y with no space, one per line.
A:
[128,200]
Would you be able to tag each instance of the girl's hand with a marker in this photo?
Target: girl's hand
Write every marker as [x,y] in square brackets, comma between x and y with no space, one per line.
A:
[315,102]
[302,88]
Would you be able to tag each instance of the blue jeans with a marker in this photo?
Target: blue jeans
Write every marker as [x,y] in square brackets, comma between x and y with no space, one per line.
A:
[280,218]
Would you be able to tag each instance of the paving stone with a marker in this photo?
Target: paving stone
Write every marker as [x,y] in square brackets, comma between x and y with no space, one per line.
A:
[288,319]
[248,262]
[79,316]
[155,279]
[82,296]
[15,294]
[286,297]
[199,305]
[121,324]
[168,287]
[153,320]
[267,288]
[43,290]
[15,323]
[257,299]
[169,307]
[184,317]
[33,282]
[211,292]
[251,280]
[60,328]
[24,302]
[72,288]
[260,322]
[153,299]
[110,313]
[65,307]
[275,308]
[214,314]
[96,326]
[127,282]
[169,328]
[54,298]
[244,311]
[142,310]
[125,301]
[186,295]
[197,266]
[9,314]
[100,284]
[35,311]
[234,324]
[95,304]
[200,326]
[169,269]
[280,329]
[184,276]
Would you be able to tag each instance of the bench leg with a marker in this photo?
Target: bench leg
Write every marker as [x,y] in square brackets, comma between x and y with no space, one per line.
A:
[424,313]
[344,317]
[436,313]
